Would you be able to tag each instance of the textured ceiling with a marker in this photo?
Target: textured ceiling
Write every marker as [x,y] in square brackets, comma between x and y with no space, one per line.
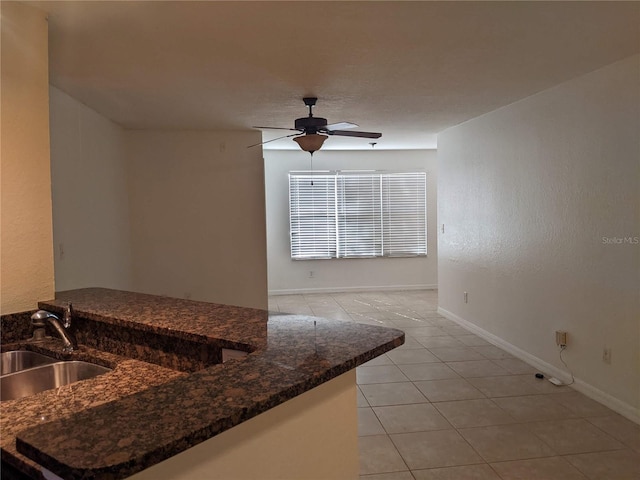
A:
[407,69]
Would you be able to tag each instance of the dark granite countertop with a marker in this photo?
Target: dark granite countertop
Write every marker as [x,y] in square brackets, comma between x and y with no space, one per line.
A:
[117,424]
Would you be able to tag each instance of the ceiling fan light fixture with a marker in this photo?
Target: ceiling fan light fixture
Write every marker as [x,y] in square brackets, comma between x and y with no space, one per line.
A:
[310,142]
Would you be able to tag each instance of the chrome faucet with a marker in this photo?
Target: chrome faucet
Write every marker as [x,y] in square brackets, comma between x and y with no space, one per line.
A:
[64,329]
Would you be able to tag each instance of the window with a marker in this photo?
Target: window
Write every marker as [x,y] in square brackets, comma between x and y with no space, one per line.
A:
[357,214]
[312,213]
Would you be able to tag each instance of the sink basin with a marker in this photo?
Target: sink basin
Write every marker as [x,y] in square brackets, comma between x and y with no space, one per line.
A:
[46,377]
[11,362]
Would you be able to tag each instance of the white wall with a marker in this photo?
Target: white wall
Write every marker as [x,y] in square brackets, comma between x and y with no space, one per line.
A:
[198,215]
[288,276]
[26,254]
[527,194]
[91,234]
[168,213]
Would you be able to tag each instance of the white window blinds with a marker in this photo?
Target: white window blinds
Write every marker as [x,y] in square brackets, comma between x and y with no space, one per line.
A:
[357,214]
[404,214]
[312,214]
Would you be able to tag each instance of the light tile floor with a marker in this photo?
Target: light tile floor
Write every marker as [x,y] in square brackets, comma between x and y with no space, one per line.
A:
[448,405]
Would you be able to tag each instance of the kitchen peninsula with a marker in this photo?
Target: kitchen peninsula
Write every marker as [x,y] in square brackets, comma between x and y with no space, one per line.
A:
[171,408]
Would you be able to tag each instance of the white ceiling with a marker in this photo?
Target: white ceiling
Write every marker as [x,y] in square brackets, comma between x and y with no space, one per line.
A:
[406,69]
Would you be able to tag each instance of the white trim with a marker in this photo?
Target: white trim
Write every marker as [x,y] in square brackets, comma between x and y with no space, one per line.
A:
[589,390]
[297,291]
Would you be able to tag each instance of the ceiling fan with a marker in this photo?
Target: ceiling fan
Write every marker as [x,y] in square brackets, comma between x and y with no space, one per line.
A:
[311,132]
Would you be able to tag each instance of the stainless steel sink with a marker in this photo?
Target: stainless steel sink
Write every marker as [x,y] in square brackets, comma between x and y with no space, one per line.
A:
[46,377]
[11,362]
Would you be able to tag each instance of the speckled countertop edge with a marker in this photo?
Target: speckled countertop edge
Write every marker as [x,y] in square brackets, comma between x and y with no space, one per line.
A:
[292,354]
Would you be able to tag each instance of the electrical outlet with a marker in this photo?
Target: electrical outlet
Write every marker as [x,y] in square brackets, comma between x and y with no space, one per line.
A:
[466,297]
[561,338]
[606,355]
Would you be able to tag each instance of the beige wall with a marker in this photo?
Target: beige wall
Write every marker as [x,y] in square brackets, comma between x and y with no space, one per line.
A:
[313,436]
[91,232]
[198,215]
[532,197]
[288,276]
[26,250]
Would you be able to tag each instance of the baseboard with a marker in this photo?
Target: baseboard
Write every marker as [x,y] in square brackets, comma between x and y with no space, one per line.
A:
[298,291]
[589,390]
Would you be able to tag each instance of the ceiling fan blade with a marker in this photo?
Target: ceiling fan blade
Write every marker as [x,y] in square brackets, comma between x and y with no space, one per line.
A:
[341,126]
[276,128]
[274,139]
[347,133]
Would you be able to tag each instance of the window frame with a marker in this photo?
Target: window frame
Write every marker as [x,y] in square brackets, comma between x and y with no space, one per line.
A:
[362,209]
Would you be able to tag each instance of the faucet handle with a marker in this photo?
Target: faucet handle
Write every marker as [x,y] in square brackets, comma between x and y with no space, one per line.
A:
[38,319]
[68,315]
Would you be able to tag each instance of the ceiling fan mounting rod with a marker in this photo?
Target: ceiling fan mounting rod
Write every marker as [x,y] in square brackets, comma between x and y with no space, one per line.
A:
[310,102]
[310,125]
